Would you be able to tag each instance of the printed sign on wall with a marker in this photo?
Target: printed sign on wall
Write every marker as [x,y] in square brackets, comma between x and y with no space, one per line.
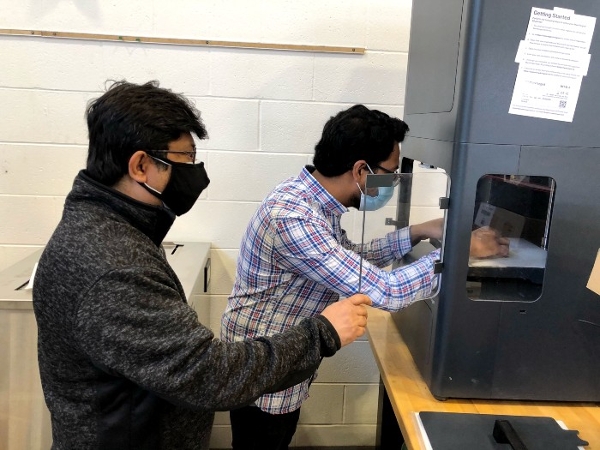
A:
[553,59]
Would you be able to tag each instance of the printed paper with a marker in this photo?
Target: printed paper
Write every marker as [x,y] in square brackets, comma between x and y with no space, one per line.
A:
[553,59]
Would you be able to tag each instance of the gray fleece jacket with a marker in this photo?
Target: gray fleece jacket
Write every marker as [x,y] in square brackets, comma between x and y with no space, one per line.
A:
[124,362]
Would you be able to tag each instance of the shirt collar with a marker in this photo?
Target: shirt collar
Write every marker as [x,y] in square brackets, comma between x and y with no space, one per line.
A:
[319,193]
[153,221]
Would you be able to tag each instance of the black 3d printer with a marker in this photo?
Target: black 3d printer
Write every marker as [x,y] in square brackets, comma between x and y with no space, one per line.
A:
[524,327]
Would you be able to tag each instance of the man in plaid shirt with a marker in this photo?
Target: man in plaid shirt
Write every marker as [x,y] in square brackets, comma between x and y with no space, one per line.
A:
[295,259]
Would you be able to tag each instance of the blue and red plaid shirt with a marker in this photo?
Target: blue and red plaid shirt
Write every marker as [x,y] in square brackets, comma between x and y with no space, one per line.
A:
[295,259]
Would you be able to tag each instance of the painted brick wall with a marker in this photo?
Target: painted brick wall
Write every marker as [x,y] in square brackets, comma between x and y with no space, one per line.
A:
[264,111]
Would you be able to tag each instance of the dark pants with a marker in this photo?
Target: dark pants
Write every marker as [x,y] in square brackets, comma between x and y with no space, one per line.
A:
[253,429]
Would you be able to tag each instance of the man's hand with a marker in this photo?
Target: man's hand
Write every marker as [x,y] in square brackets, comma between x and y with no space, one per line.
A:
[487,243]
[348,317]
[432,229]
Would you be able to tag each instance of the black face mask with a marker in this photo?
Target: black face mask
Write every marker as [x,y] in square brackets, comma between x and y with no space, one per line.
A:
[184,187]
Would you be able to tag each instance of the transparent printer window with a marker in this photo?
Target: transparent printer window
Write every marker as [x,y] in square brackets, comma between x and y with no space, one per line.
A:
[518,208]
[417,198]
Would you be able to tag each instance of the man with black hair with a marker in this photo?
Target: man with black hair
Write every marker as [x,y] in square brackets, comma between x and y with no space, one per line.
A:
[124,362]
[295,259]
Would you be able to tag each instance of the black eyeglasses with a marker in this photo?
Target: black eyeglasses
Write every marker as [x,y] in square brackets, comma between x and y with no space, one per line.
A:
[394,181]
[191,155]
[396,172]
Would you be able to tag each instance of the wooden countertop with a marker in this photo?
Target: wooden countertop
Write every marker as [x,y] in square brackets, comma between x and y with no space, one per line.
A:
[409,394]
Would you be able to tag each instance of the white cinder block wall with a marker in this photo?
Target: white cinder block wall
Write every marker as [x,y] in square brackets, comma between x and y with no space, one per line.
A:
[264,111]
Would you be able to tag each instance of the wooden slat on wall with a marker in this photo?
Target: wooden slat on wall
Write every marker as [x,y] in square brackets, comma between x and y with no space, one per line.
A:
[178,41]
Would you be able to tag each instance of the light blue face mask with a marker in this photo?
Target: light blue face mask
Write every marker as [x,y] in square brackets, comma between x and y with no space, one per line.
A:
[370,203]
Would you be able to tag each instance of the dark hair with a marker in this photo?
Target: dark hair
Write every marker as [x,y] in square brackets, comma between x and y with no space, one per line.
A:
[130,117]
[354,134]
